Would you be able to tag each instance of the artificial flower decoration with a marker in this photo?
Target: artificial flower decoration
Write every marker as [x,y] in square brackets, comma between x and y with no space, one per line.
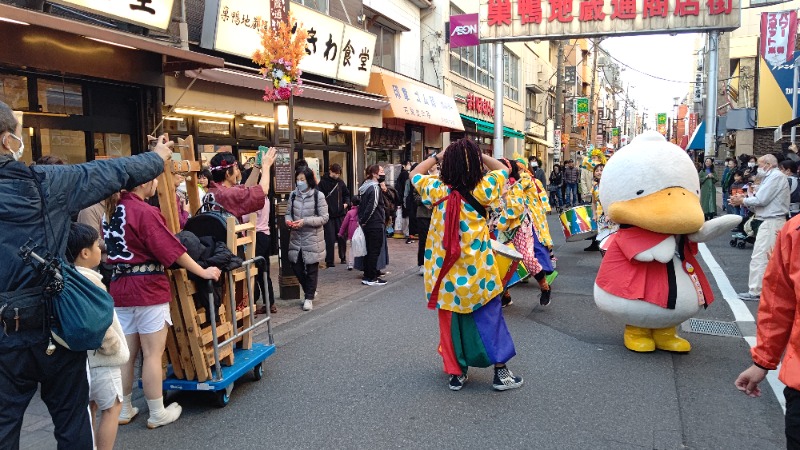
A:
[281,50]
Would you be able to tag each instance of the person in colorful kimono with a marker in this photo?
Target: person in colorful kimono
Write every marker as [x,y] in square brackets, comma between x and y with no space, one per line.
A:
[461,278]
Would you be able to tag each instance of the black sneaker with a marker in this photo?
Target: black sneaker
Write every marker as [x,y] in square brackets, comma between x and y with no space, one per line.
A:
[375,282]
[457,382]
[544,299]
[506,300]
[505,380]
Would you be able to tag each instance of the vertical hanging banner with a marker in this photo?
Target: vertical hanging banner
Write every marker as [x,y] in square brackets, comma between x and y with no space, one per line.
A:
[778,32]
[661,123]
[582,111]
[278,12]
[615,136]
[464,31]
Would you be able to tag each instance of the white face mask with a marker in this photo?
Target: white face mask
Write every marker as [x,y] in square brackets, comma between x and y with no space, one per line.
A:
[762,171]
[18,154]
[751,165]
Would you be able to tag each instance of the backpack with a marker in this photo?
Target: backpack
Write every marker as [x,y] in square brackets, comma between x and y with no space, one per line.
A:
[210,220]
[794,192]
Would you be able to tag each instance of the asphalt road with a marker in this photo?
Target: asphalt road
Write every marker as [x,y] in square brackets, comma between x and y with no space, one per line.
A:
[364,372]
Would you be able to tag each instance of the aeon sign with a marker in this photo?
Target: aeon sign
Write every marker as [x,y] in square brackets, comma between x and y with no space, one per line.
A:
[464,30]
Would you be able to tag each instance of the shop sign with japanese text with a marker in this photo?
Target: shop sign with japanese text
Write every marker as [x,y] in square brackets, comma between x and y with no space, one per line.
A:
[582,111]
[778,33]
[464,31]
[480,105]
[509,20]
[278,12]
[155,14]
[333,49]
[661,123]
[414,102]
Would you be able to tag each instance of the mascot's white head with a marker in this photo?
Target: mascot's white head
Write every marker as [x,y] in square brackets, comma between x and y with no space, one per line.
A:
[652,184]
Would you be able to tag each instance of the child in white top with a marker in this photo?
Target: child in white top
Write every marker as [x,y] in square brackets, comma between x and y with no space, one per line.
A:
[105,390]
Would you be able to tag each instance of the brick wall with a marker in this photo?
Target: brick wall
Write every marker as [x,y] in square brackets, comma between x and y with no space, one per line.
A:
[763,142]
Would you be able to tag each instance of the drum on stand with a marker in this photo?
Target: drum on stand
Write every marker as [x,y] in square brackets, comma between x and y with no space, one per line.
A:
[577,223]
[506,258]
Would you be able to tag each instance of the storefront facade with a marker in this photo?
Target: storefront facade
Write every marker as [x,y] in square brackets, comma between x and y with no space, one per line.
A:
[85,92]
[414,123]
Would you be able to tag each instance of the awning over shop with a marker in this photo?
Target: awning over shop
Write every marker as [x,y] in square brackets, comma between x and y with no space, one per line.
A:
[698,139]
[315,91]
[541,141]
[488,127]
[174,58]
[413,101]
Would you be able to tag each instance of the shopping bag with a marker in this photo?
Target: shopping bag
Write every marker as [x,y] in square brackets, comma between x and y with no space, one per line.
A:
[359,243]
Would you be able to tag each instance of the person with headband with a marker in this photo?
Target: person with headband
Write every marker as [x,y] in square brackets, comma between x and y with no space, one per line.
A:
[237,199]
[461,279]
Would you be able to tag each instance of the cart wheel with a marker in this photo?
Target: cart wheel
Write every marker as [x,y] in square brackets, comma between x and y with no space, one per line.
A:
[733,242]
[223,397]
[741,244]
[258,372]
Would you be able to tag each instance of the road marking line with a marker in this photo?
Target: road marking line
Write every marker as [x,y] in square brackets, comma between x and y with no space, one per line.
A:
[739,309]
[742,314]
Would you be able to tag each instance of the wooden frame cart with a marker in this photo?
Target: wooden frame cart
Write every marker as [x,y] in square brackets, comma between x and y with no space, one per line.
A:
[203,354]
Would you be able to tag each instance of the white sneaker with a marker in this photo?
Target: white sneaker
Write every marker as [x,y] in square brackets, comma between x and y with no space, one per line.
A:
[421,270]
[308,305]
[127,414]
[170,414]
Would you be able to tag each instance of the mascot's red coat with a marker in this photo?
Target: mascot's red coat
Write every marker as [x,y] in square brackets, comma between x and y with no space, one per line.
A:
[653,281]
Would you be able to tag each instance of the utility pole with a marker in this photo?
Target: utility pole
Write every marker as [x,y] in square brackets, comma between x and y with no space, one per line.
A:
[497,149]
[592,109]
[559,116]
[711,94]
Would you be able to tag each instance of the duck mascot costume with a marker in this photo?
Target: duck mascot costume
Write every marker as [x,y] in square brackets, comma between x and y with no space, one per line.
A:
[649,277]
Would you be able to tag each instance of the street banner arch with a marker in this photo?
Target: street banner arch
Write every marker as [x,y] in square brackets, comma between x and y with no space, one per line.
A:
[522,20]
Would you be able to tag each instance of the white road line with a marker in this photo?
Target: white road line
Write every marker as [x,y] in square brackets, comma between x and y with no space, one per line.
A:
[740,311]
[742,314]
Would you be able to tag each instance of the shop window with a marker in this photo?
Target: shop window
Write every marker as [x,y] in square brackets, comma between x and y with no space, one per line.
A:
[384,46]
[215,127]
[247,158]
[283,135]
[59,97]
[319,5]
[312,136]
[337,138]
[176,125]
[68,145]
[315,160]
[339,158]
[473,63]
[207,151]
[252,131]
[510,75]
[14,91]
[111,145]
[27,135]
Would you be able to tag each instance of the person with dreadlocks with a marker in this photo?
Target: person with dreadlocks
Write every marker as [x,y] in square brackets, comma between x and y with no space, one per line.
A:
[516,224]
[461,278]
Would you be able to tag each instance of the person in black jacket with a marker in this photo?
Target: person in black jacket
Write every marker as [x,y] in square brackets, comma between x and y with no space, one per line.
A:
[400,186]
[338,197]
[37,203]
[372,218]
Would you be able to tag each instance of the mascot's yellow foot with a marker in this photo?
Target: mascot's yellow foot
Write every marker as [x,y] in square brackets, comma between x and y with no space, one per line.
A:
[639,339]
[667,340]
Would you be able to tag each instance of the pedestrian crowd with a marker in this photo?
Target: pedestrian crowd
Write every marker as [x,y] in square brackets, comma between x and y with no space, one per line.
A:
[480,225]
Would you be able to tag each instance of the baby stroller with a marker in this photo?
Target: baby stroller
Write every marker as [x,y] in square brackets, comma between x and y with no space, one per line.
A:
[745,234]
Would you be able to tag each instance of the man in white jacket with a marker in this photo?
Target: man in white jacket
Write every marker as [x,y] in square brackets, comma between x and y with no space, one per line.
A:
[770,202]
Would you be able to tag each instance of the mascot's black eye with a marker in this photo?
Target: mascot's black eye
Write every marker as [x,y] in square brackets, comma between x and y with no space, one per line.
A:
[639,192]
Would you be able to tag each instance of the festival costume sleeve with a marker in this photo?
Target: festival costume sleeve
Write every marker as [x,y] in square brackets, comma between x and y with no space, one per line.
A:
[776,311]
[241,200]
[430,189]
[160,242]
[490,188]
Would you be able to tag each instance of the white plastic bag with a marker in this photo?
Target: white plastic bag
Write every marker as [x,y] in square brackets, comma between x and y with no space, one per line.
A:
[359,243]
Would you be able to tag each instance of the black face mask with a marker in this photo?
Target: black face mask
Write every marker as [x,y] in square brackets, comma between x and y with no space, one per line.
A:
[381,179]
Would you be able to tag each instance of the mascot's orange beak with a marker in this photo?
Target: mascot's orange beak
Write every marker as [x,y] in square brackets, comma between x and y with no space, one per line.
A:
[669,211]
